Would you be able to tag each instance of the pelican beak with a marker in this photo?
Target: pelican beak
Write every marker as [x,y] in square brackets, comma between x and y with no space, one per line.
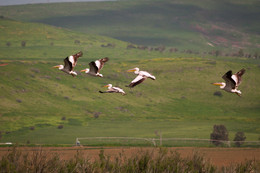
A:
[83,70]
[217,84]
[106,86]
[131,70]
[56,66]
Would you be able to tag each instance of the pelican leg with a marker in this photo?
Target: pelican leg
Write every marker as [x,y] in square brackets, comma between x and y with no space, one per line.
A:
[238,94]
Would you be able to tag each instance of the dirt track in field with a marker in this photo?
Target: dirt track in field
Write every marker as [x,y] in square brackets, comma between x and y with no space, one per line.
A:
[217,156]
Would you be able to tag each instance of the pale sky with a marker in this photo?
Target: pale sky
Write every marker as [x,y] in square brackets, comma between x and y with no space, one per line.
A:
[19,2]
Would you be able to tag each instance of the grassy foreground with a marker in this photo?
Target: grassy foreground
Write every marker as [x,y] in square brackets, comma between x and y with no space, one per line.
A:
[156,161]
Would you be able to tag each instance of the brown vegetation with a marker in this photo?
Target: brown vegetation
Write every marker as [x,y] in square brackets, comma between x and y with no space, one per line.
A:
[129,159]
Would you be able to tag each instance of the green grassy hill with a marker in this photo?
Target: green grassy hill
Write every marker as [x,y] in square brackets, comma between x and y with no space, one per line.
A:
[36,99]
[204,25]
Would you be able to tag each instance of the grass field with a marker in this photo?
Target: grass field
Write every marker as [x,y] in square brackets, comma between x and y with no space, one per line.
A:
[228,25]
[36,99]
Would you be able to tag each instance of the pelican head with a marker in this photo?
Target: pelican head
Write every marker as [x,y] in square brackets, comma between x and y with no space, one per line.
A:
[135,70]
[85,70]
[220,84]
[58,66]
[108,86]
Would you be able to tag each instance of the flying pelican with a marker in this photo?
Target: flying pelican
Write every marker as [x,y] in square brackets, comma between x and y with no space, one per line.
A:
[69,64]
[112,89]
[142,75]
[95,67]
[232,82]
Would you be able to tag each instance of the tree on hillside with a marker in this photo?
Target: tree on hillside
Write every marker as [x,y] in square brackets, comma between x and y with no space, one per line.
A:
[217,53]
[8,44]
[219,134]
[23,43]
[239,138]
[241,53]
[255,55]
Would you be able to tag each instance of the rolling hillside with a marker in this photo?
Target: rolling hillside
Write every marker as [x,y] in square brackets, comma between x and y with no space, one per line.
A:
[204,25]
[37,99]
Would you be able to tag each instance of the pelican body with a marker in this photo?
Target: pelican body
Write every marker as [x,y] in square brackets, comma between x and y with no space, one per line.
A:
[112,89]
[69,64]
[95,67]
[232,82]
[142,75]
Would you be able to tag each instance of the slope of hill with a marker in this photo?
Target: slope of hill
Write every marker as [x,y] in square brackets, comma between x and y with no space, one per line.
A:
[202,25]
[43,41]
[37,99]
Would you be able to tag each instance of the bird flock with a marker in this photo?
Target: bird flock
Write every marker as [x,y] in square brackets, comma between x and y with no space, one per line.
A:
[95,68]
[232,81]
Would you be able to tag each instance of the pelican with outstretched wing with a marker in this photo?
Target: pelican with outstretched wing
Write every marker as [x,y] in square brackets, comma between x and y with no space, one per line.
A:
[142,76]
[232,82]
[112,89]
[95,67]
[69,64]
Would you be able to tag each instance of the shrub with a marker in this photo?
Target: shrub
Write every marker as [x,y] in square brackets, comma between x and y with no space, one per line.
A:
[23,43]
[218,93]
[77,42]
[35,70]
[112,45]
[130,46]
[217,53]
[60,126]
[219,134]
[96,114]
[19,100]
[63,118]
[239,138]
[32,128]
[240,53]
[8,44]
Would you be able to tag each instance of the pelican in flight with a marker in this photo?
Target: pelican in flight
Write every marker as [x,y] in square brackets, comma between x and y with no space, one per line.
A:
[142,75]
[232,82]
[112,89]
[69,64]
[95,67]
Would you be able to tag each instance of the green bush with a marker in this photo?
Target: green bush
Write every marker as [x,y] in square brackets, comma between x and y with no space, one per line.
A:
[219,134]
[239,138]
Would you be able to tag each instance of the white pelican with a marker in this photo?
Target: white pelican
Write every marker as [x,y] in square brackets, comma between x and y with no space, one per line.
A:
[112,89]
[232,82]
[95,67]
[142,75]
[69,64]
